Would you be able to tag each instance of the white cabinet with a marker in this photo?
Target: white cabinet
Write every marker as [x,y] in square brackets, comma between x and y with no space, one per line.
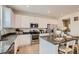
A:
[7,17]
[0,17]
[46,47]
[22,21]
[12,19]
[25,22]
[22,40]
[17,21]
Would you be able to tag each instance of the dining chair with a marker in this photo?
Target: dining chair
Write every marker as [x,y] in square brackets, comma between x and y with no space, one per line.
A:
[68,49]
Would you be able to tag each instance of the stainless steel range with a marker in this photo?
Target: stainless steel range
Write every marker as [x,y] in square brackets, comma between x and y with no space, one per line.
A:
[34,32]
[35,36]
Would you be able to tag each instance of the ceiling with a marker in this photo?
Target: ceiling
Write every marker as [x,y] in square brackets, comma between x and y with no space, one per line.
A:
[52,11]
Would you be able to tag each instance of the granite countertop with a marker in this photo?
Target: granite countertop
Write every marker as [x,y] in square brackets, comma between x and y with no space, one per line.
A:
[53,41]
[4,37]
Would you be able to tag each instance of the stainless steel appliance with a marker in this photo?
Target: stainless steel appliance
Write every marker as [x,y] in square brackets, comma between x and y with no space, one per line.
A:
[34,32]
[35,36]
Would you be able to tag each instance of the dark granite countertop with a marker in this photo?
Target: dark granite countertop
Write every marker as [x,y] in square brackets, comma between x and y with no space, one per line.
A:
[53,41]
[4,37]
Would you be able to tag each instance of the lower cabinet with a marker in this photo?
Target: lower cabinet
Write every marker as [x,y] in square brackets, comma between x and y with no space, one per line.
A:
[22,40]
[46,47]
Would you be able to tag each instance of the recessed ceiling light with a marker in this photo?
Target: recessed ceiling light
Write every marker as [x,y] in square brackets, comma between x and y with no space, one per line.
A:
[27,6]
[48,12]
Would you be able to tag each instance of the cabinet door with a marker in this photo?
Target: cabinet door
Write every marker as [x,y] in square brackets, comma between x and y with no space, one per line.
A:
[0,17]
[12,19]
[22,40]
[25,22]
[18,21]
[46,47]
[6,17]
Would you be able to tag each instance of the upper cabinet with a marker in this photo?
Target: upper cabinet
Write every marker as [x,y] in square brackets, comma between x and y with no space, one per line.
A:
[22,21]
[17,22]
[0,17]
[7,17]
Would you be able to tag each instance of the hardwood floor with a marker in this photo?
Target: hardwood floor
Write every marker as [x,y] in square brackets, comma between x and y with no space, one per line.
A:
[30,49]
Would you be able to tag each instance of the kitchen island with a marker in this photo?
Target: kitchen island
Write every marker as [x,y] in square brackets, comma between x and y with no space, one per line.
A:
[48,45]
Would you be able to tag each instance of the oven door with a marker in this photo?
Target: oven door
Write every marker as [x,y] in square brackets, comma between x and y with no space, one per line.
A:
[35,36]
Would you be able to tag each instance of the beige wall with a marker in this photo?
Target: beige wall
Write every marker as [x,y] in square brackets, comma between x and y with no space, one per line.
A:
[74,25]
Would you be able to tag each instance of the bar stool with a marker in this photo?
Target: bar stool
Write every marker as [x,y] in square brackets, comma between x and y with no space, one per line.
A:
[67,49]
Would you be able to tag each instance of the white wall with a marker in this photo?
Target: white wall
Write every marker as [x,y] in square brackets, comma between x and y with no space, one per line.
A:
[74,25]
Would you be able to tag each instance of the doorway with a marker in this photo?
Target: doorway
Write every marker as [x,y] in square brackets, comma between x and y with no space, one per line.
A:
[66,23]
